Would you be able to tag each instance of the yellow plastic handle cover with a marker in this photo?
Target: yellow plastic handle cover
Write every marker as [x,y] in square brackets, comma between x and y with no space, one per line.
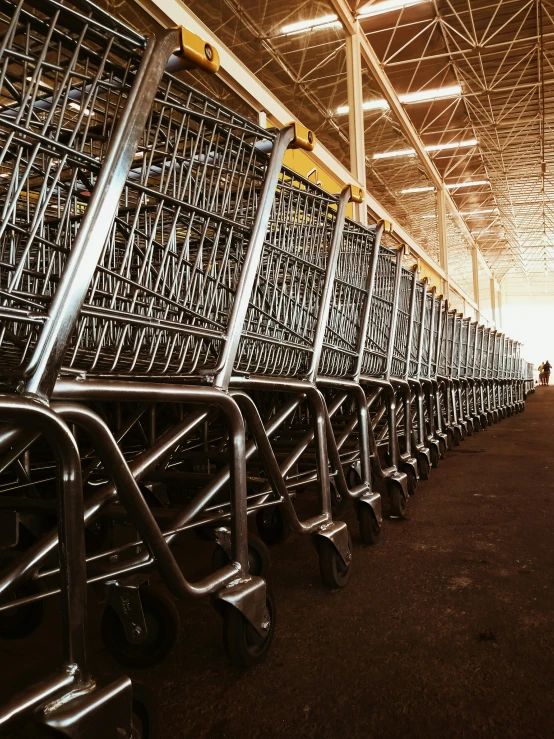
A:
[303,138]
[357,194]
[197,52]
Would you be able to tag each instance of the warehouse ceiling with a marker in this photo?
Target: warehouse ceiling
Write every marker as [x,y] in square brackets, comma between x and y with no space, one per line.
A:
[492,61]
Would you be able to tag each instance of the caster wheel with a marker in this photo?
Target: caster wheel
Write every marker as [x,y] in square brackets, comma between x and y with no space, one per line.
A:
[204,533]
[98,536]
[412,480]
[484,421]
[449,439]
[490,419]
[162,623]
[272,527]
[145,715]
[476,425]
[424,467]
[397,502]
[243,644]
[457,437]
[469,428]
[435,456]
[443,448]
[334,573]
[258,558]
[20,622]
[368,525]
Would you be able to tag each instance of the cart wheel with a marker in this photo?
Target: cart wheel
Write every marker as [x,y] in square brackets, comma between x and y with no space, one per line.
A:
[457,436]
[162,623]
[21,621]
[397,501]
[469,428]
[424,467]
[205,533]
[368,524]
[443,447]
[334,573]
[258,557]
[449,438]
[243,644]
[476,425]
[484,421]
[145,714]
[272,527]
[435,455]
[98,535]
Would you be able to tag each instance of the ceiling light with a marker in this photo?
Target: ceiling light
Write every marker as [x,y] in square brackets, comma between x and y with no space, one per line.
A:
[395,153]
[478,212]
[452,145]
[470,183]
[76,106]
[423,96]
[431,147]
[417,189]
[387,6]
[435,93]
[325,21]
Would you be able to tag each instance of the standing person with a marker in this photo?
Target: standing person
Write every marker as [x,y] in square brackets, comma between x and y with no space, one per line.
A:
[546,372]
[541,373]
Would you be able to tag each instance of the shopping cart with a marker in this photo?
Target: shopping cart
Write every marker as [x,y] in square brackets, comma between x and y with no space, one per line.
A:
[348,433]
[410,419]
[397,468]
[423,398]
[429,348]
[77,88]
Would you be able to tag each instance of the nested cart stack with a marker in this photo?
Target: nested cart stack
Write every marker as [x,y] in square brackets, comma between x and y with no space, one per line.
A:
[192,335]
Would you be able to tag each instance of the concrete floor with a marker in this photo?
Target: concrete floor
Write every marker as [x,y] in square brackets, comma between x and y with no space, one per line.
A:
[446,628]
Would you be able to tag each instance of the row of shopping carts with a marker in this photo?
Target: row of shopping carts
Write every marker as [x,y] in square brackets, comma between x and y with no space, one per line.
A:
[192,337]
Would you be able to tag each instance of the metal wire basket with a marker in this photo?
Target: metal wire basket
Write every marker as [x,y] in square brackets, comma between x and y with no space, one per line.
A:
[67,70]
[380,319]
[350,292]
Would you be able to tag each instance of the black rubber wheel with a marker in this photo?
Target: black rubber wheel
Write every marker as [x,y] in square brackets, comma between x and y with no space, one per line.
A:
[484,421]
[162,623]
[424,467]
[258,557]
[457,436]
[397,501]
[98,535]
[145,714]
[476,425]
[469,428]
[368,525]
[243,644]
[205,533]
[272,527]
[443,447]
[449,438]
[21,621]
[334,572]
[435,455]
[490,418]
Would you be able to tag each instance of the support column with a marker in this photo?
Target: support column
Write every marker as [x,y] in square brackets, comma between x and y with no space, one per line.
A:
[476,293]
[443,239]
[493,300]
[356,132]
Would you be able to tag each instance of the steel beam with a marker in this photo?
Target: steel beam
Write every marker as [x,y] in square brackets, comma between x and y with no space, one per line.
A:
[356,130]
[246,85]
[352,27]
